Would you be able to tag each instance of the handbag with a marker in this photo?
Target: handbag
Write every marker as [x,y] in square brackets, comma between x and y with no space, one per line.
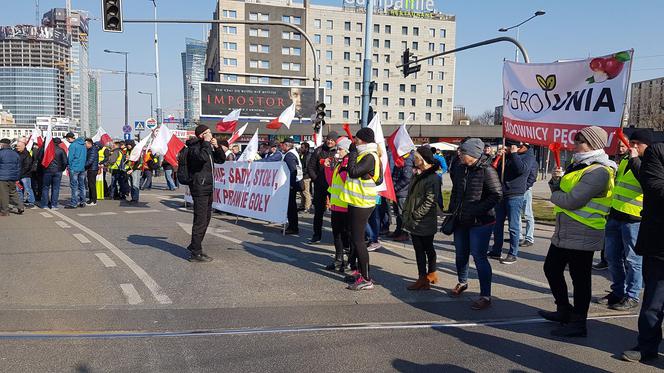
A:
[448,222]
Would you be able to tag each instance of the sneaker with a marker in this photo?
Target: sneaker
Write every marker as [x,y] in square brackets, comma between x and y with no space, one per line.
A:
[525,243]
[69,207]
[608,300]
[314,239]
[601,265]
[458,289]
[91,203]
[509,259]
[374,246]
[481,303]
[201,258]
[29,205]
[352,277]
[361,284]
[20,211]
[634,355]
[292,231]
[82,205]
[493,256]
[625,304]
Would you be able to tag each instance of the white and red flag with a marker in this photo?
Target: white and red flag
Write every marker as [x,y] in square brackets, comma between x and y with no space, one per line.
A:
[49,147]
[400,144]
[167,144]
[135,154]
[237,134]
[229,122]
[102,136]
[35,136]
[249,153]
[285,118]
[386,189]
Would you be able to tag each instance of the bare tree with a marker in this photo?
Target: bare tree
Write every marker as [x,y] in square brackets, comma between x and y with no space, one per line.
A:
[484,119]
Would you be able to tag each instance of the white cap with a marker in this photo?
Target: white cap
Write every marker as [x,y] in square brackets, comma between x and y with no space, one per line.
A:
[344,143]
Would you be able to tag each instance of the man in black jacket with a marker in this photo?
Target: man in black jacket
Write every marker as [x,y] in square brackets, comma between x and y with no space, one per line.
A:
[650,246]
[52,175]
[305,194]
[292,160]
[401,177]
[316,170]
[528,239]
[26,172]
[203,153]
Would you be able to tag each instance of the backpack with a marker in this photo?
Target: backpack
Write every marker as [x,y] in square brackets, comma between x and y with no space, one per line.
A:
[183,175]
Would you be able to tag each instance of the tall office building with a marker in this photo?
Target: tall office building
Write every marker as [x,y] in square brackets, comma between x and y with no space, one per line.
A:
[277,55]
[34,73]
[647,104]
[94,101]
[193,72]
[79,61]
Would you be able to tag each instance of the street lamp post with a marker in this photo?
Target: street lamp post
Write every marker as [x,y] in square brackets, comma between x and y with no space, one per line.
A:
[126,83]
[156,62]
[148,93]
[518,28]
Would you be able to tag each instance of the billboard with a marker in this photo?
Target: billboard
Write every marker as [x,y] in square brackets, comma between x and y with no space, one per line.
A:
[29,32]
[256,101]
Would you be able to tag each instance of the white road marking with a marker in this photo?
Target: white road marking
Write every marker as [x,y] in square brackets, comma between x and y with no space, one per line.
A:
[81,238]
[140,211]
[105,259]
[62,224]
[157,292]
[45,214]
[107,213]
[131,294]
[217,233]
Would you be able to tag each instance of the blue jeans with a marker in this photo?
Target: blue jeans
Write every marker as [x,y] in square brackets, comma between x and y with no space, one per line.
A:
[51,183]
[474,241]
[624,264]
[373,226]
[169,179]
[529,216]
[77,183]
[27,188]
[135,181]
[652,309]
[509,208]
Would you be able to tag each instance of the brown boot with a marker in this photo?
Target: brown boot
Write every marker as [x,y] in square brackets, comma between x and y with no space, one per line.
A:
[421,284]
[432,277]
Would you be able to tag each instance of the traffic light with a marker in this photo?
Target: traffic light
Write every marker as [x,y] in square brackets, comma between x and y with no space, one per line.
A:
[112,13]
[319,119]
[405,61]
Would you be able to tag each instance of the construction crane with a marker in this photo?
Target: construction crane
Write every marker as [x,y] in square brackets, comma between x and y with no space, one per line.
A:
[37,15]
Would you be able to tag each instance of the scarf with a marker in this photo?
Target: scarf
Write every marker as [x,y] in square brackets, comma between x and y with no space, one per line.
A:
[594,156]
[370,147]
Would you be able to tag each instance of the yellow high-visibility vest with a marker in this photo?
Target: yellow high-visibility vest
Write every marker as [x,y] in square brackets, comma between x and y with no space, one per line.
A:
[627,194]
[594,213]
[101,154]
[336,188]
[118,162]
[359,192]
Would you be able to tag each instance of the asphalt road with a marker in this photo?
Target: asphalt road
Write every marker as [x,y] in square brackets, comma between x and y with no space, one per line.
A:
[107,288]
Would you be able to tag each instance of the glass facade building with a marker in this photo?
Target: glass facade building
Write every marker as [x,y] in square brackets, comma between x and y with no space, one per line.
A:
[193,72]
[94,102]
[29,92]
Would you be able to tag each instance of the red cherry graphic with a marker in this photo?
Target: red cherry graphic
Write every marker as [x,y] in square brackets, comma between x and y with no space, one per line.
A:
[612,67]
[597,64]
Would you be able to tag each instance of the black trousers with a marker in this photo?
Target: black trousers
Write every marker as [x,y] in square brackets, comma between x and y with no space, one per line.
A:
[320,202]
[202,216]
[340,232]
[424,254]
[580,269]
[652,309]
[359,217]
[92,185]
[292,210]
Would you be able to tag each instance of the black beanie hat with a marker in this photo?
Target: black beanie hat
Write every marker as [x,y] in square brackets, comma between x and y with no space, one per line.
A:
[366,134]
[200,129]
[426,154]
[642,135]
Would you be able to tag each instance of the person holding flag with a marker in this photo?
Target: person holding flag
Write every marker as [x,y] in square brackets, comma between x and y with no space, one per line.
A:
[53,162]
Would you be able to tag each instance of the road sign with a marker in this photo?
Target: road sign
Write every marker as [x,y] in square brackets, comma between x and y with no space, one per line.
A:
[151,123]
[126,128]
[139,125]
[127,136]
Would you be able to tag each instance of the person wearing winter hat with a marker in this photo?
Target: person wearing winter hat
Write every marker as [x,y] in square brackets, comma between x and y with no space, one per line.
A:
[582,198]
[336,174]
[420,216]
[476,191]
[364,174]
[622,228]
[316,171]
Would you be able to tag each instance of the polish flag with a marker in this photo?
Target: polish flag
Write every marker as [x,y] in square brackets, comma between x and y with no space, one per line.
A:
[167,144]
[102,136]
[49,147]
[318,137]
[35,136]
[346,128]
[386,189]
[400,144]
[229,122]
[237,134]
[249,153]
[138,149]
[285,118]
[64,145]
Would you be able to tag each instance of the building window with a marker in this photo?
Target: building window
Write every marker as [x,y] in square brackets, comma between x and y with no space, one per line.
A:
[257,32]
[328,84]
[388,29]
[328,70]
[416,31]
[441,47]
[413,88]
[430,62]
[386,73]
[291,51]
[330,24]
[386,87]
[359,26]
[376,43]
[230,46]
[387,58]
[317,39]
[345,114]
[432,32]
[385,115]
[401,115]
[374,101]
[317,23]
[358,72]
[358,42]
[429,89]
[374,73]
[358,86]
[230,61]
[432,47]
[388,44]
[346,56]
[329,39]
[259,64]
[229,77]
[295,20]
[416,45]
[259,16]
[402,101]
[374,58]
[357,115]
[428,102]
[346,86]
[358,56]
[412,115]
[346,41]
[328,55]
[402,88]
[345,100]
[404,45]
[441,75]
[439,102]
[229,13]
[404,30]
[427,117]
[230,30]
[259,48]
[346,71]
[443,33]
[259,80]
[328,99]
[386,101]
[290,66]
[376,29]
[412,102]
[347,26]
[439,116]
[288,35]
[439,89]
[430,75]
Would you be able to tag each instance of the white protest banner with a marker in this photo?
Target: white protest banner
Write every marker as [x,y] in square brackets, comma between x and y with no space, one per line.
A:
[546,103]
[256,190]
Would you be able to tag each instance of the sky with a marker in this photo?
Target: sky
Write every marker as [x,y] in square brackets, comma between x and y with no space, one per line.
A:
[571,29]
